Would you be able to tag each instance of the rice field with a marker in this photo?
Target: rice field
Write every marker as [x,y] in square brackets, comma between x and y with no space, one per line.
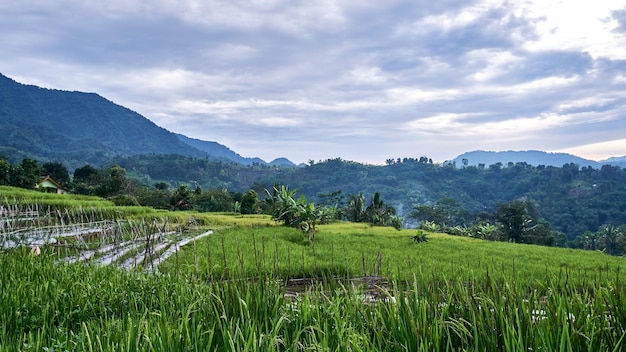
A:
[47,305]
[105,280]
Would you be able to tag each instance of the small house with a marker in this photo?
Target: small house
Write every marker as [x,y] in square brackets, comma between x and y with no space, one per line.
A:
[49,185]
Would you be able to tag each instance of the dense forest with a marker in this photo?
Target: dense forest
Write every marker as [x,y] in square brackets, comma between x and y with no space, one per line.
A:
[565,206]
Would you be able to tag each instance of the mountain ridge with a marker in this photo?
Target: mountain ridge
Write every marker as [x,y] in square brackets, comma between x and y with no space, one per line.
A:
[531,157]
[79,127]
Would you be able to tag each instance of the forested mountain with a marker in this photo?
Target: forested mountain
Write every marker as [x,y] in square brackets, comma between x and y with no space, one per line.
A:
[81,127]
[219,151]
[78,128]
[532,157]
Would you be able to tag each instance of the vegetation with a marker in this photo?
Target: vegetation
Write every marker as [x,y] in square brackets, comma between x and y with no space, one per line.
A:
[570,199]
[572,203]
[566,206]
[366,288]
[41,124]
[237,281]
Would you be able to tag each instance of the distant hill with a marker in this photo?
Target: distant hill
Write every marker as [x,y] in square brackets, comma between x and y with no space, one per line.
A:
[220,151]
[282,162]
[617,161]
[531,157]
[79,128]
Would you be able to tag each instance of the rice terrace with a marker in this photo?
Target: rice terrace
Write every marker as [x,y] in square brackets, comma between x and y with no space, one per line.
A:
[78,273]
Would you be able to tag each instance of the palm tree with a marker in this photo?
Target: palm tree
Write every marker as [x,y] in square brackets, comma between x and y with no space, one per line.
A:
[355,210]
[609,235]
[378,212]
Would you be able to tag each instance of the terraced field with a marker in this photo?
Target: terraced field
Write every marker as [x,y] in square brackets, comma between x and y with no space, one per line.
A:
[127,244]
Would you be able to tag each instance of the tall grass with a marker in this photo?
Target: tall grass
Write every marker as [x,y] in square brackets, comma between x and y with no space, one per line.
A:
[45,305]
[354,250]
[230,292]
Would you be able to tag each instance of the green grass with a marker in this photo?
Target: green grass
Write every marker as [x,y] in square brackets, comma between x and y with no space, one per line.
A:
[227,292]
[47,306]
[348,250]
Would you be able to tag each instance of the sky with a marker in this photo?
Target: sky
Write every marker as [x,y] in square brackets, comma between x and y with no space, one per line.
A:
[360,80]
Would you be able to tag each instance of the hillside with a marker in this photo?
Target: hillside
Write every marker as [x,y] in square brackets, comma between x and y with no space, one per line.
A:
[217,150]
[617,161]
[79,128]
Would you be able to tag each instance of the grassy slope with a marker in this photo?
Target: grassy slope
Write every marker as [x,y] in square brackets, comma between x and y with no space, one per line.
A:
[368,250]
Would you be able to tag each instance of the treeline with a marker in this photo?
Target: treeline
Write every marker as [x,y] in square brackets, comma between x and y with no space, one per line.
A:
[571,199]
[114,183]
[564,206]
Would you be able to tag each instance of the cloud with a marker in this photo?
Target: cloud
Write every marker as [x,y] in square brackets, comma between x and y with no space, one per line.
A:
[620,17]
[327,77]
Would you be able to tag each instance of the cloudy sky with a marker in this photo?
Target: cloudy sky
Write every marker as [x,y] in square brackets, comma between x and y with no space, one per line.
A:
[360,80]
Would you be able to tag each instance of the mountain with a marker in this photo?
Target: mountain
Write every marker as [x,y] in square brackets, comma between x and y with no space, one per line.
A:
[616,161]
[79,128]
[282,162]
[531,157]
[219,151]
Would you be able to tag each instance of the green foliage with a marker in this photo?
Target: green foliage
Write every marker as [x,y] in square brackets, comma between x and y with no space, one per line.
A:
[42,123]
[376,213]
[249,203]
[355,210]
[27,174]
[447,211]
[181,199]
[519,222]
[430,226]
[296,212]
[420,237]
[215,200]
[568,201]
[609,239]
[58,172]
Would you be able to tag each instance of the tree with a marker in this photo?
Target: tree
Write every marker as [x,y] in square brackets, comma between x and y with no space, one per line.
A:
[355,209]
[181,199]
[161,186]
[380,213]
[85,180]
[283,205]
[445,212]
[215,200]
[249,203]
[6,170]
[513,219]
[610,235]
[295,212]
[85,173]
[156,198]
[520,222]
[110,182]
[27,174]
[57,171]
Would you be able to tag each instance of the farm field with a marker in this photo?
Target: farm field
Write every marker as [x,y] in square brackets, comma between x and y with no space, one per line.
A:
[243,283]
